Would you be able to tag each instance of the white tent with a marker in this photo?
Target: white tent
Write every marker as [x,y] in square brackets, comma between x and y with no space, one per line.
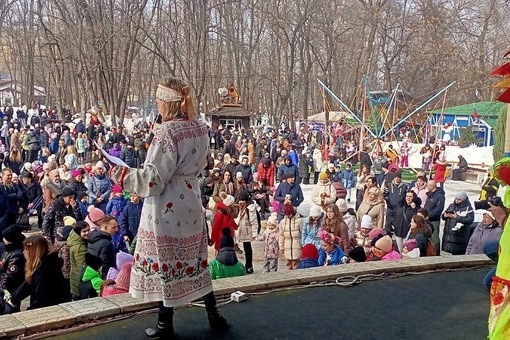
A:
[333,116]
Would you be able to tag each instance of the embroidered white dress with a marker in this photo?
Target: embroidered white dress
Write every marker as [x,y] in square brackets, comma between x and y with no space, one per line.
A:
[170,260]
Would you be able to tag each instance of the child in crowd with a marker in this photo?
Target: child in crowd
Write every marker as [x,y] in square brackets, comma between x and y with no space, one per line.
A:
[121,283]
[120,259]
[62,248]
[83,202]
[329,253]
[365,227]
[410,249]
[357,254]
[226,263]
[311,226]
[309,257]
[383,249]
[271,246]
[129,220]
[117,202]
[90,282]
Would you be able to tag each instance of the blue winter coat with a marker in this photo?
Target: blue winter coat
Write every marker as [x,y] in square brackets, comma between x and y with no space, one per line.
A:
[347,178]
[307,263]
[116,206]
[336,257]
[309,232]
[129,220]
[293,190]
[102,187]
[294,157]
[291,168]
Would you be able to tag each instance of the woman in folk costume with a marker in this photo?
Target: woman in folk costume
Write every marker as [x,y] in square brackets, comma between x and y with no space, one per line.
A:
[170,263]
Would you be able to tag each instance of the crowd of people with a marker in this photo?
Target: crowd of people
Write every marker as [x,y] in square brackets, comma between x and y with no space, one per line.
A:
[391,219]
[90,211]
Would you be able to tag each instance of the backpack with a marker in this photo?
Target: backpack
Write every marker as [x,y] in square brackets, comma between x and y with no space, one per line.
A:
[431,250]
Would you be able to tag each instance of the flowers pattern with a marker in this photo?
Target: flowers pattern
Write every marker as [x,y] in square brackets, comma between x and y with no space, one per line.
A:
[169,271]
[168,207]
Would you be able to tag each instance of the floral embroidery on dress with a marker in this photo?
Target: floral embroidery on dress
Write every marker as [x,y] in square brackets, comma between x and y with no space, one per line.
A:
[168,271]
[168,207]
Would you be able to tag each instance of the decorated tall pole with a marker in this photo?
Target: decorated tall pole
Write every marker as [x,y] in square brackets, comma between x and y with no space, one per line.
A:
[507,134]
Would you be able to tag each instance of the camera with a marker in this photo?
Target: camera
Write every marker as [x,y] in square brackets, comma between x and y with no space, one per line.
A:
[482,205]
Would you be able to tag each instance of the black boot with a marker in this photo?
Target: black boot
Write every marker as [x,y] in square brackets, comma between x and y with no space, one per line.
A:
[165,327]
[216,320]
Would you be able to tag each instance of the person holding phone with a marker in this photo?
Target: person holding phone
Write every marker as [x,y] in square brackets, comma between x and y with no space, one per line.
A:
[65,205]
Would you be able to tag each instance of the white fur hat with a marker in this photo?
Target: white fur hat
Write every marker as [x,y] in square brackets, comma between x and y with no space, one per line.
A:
[315,210]
[229,200]
[366,222]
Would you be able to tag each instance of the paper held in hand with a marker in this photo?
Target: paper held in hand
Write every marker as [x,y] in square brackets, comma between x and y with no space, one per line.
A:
[111,159]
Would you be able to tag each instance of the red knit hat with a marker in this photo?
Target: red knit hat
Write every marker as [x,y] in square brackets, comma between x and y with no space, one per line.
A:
[309,252]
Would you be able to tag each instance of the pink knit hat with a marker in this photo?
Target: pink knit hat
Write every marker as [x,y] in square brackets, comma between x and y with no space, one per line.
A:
[116,189]
[95,214]
[375,232]
[122,281]
[75,173]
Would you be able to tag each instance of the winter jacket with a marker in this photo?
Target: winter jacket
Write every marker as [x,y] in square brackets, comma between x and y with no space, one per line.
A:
[317,160]
[307,263]
[455,242]
[221,220]
[373,209]
[290,237]
[391,256]
[271,246]
[421,192]
[99,187]
[226,264]
[291,168]
[77,250]
[90,283]
[336,257]
[129,220]
[115,151]
[435,204]
[11,195]
[33,192]
[47,287]
[12,271]
[303,167]
[293,190]
[100,244]
[489,187]
[54,218]
[348,178]
[129,156]
[62,250]
[247,224]
[439,173]
[266,175]
[77,186]
[394,194]
[294,157]
[350,221]
[81,145]
[404,213]
[310,231]
[116,206]
[229,188]
[481,235]
[320,189]
[246,171]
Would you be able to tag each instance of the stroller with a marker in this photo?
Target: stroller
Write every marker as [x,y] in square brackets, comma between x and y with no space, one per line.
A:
[24,218]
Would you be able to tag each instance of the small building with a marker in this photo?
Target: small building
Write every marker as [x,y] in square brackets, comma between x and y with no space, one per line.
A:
[482,116]
[10,93]
[230,113]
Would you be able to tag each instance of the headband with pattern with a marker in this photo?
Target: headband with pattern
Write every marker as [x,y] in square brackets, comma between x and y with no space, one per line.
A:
[167,94]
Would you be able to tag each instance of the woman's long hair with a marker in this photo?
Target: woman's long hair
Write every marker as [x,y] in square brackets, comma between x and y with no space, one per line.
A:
[15,155]
[36,247]
[421,226]
[333,225]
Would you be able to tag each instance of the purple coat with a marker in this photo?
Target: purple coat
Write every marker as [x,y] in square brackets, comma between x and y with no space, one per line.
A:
[115,152]
[481,235]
